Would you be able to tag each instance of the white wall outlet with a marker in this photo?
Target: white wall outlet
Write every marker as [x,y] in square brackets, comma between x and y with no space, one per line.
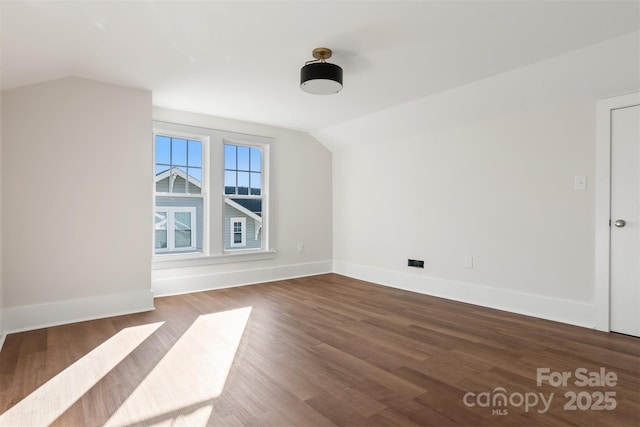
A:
[468,261]
[580,182]
[300,247]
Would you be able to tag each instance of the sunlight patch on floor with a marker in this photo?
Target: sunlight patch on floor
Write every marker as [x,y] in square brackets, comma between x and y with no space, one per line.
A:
[54,397]
[193,372]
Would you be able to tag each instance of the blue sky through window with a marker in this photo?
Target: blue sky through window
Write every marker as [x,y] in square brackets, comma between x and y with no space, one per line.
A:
[243,167]
[180,153]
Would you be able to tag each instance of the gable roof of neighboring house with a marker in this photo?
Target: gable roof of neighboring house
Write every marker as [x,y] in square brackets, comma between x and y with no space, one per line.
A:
[244,206]
[253,205]
[243,210]
[175,171]
[256,218]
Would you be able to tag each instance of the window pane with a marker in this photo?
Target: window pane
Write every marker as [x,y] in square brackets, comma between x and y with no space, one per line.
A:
[256,160]
[243,158]
[245,224]
[160,230]
[253,205]
[183,239]
[229,182]
[163,147]
[243,183]
[195,180]
[162,185]
[256,184]
[161,221]
[178,152]
[229,156]
[182,224]
[161,239]
[194,189]
[182,220]
[161,168]
[195,153]
[195,173]
[237,232]
[178,183]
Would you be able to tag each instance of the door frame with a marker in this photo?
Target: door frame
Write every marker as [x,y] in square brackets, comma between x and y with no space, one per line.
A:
[604,109]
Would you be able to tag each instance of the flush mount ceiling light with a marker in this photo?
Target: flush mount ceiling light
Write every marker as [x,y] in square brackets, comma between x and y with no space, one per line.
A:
[318,76]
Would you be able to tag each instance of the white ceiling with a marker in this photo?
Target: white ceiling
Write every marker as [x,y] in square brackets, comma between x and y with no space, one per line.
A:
[242,59]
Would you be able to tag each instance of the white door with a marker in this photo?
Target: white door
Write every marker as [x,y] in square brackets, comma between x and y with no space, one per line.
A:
[625,220]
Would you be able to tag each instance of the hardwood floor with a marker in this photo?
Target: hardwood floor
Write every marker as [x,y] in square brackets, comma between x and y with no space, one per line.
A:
[318,351]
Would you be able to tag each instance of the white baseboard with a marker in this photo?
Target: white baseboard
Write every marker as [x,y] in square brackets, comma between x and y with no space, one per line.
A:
[18,319]
[556,309]
[181,282]
[26,318]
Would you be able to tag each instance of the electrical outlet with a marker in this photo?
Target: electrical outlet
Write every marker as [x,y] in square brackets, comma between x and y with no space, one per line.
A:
[300,247]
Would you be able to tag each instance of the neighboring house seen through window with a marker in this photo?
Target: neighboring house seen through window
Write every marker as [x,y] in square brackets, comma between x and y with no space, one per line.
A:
[243,183]
[238,236]
[179,196]
[175,229]
[210,193]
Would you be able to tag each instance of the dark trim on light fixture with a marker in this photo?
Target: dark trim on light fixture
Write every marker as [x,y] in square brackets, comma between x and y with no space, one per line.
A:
[320,77]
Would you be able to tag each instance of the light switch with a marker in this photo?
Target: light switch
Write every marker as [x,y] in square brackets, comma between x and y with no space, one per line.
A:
[468,261]
[579,182]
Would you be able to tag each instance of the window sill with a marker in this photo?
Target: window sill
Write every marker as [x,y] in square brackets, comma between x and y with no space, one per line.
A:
[161,262]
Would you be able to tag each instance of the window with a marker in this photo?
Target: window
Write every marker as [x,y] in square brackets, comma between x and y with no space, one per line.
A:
[161,230]
[210,195]
[242,170]
[243,182]
[238,236]
[175,229]
[178,165]
[179,193]
[182,229]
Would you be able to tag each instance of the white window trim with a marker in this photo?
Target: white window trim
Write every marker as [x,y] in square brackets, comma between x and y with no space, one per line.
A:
[156,212]
[232,232]
[170,261]
[182,131]
[265,190]
[213,245]
[171,211]
[205,140]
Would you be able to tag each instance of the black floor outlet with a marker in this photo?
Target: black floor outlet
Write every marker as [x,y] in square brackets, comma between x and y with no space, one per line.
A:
[418,263]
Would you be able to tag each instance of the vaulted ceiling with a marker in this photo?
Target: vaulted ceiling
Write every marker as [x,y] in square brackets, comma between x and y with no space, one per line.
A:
[242,59]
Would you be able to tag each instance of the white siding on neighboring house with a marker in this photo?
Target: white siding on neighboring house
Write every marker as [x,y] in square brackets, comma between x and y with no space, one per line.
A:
[253,230]
[162,185]
[185,202]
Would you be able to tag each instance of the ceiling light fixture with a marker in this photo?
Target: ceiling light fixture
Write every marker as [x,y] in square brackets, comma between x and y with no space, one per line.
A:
[318,76]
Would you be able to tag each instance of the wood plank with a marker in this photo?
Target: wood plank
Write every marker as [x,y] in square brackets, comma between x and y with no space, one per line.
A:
[328,350]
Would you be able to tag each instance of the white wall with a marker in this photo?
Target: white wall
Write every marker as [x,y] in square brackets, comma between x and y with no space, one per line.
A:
[76,202]
[487,171]
[301,212]
[500,191]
